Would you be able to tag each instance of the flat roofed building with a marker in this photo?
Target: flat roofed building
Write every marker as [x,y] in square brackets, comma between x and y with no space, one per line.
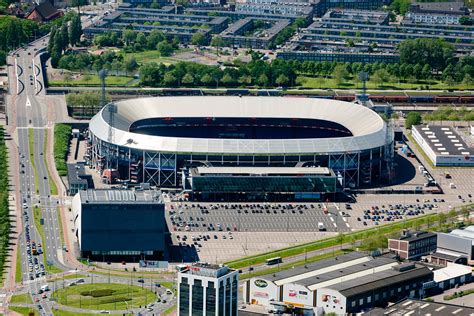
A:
[452,275]
[416,307]
[291,183]
[437,12]
[443,145]
[78,179]
[411,246]
[207,289]
[334,285]
[120,224]
[456,246]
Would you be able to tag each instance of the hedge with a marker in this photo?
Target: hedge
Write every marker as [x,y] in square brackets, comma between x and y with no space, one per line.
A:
[62,136]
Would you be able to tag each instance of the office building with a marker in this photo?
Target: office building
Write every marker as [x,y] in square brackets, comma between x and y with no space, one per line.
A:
[411,246]
[120,225]
[208,290]
[349,283]
[456,246]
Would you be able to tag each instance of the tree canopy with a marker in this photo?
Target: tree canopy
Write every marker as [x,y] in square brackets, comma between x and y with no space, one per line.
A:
[425,51]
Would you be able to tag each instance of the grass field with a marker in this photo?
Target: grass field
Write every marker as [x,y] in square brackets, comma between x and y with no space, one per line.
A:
[68,277]
[31,147]
[153,56]
[103,296]
[322,83]
[60,223]
[293,264]
[59,312]
[52,184]
[21,299]
[18,273]
[23,310]
[93,80]
[37,216]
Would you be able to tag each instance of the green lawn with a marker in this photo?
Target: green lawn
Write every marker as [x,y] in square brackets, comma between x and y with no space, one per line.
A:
[52,184]
[150,56]
[37,216]
[18,273]
[103,296]
[68,277]
[31,147]
[323,83]
[93,80]
[21,299]
[169,310]
[59,312]
[23,310]
[292,264]
[60,223]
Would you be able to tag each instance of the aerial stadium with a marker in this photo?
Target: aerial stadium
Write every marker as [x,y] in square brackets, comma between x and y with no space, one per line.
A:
[221,143]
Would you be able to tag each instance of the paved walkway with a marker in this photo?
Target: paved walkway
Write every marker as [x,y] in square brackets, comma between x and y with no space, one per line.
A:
[467,300]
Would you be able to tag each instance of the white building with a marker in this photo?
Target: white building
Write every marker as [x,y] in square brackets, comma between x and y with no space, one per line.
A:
[456,246]
[451,275]
[349,283]
[443,145]
[207,289]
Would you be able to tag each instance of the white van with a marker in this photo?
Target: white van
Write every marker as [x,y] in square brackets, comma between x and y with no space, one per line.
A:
[45,288]
[321,226]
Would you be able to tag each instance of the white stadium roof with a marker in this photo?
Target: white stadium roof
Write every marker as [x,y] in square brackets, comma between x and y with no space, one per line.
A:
[368,129]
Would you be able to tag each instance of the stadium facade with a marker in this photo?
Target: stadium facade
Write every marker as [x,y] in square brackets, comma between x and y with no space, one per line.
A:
[155,140]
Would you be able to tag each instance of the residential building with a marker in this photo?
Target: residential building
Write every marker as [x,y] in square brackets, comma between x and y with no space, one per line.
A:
[411,246]
[207,289]
[437,12]
[43,12]
[120,225]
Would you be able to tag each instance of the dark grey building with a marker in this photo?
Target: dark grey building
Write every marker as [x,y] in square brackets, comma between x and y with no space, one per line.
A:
[120,224]
[207,289]
[77,178]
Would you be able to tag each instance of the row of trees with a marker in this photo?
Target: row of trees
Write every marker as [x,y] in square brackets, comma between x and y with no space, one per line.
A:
[5,226]
[84,62]
[84,104]
[256,72]
[450,114]
[134,42]
[68,33]
[62,135]
[14,33]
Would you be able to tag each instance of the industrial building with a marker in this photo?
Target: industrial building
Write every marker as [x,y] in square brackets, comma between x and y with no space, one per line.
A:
[207,289]
[412,246]
[349,283]
[417,307]
[451,276]
[120,225]
[443,145]
[152,140]
[456,246]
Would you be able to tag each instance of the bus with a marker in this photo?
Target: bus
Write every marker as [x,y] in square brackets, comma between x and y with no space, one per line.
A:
[273,261]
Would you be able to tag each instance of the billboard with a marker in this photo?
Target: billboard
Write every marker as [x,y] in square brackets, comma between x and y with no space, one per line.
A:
[297,295]
[262,292]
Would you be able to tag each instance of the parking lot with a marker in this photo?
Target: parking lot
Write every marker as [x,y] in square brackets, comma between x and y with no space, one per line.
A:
[256,217]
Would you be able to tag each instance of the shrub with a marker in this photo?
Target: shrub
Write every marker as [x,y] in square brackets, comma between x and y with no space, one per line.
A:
[62,135]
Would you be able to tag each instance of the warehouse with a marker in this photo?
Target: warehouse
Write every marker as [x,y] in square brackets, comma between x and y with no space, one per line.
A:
[443,145]
[350,283]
